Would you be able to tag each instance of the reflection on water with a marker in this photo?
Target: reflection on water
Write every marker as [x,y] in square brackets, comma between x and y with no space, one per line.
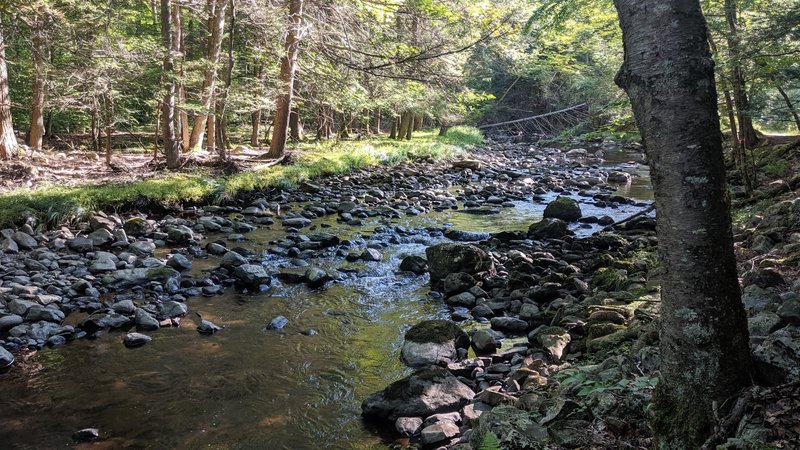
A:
[245,387]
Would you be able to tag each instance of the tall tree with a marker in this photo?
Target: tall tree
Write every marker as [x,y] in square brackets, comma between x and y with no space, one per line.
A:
[40,73]
[216,29]
[171,144]
[668,75]
[747,133]
[288,68]
[8,142]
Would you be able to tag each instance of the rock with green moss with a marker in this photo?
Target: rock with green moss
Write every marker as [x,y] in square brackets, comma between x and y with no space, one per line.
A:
[514,429]
[447,258]
[563,208]
[137,226]
[425,392]
[433,342]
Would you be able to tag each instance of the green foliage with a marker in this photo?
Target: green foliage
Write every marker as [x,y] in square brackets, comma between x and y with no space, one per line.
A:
[55,205]
[776,168]
[610,279]
[583,381]
[490,442]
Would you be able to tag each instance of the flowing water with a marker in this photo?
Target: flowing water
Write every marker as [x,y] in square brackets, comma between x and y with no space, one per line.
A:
[246,387]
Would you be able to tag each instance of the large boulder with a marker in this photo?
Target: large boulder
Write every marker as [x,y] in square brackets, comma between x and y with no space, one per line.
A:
[433,342]
[563,208]
[425,392]
[447,258]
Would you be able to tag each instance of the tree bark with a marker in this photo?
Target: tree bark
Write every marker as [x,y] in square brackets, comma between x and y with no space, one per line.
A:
[295,126]
[790,105]
[37,101]
[410,127]
[405,124]
[393,131]
[376,122]
[107,119]
[288,67]
[255,123]
[668,74]
[216,27]
[179,43]
[171,144]
[746,130]
[8,141]
[417,123]
[222,103]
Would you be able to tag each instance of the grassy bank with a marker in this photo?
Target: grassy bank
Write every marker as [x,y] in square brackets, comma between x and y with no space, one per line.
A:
[54,205]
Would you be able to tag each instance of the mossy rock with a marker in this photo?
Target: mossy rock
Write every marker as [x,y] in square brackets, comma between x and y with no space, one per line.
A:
[563,208]
[136,226]
[437,332]
[598,330]
[162,274]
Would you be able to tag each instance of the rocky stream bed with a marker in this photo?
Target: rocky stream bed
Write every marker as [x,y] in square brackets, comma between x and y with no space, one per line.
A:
[279,320]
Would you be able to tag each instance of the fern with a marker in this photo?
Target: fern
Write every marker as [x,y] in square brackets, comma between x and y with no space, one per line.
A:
[490,442]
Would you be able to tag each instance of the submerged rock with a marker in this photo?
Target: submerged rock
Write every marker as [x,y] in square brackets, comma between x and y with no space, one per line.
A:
[133,340]
[414,264]
[425,392]
[277,323]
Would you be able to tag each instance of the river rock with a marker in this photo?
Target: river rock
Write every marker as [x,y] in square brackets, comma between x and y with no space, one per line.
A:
[124,307]
[38,312]
[133,340]
[8,245]
[484,342]
[447,258]
[101,237]
[277,323]
[408,426]
[618,176]
[208,327]
[457,282]
[439,432]
[232,260]
[142,248]
[297,222]
[179,262]
[563,208]
[144,321]
[137,226]
[371,254]
[414,264]
[251,275]
[548,228]
[10,321]
[554,340]
[510,324]
[6,358]
[24,240]
[81,244]
[21,307]
[433,342]
[86,435]
[180,234]
[316,277]
[425,392]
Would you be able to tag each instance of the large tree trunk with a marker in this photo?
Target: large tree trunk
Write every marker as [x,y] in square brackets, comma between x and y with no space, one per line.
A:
[746,130]
[393,131]
[405,124]
[790,105]
[216,27]
[668,74]
[8,142]
[37,100]
[107,119]
[171,145]
[288,67]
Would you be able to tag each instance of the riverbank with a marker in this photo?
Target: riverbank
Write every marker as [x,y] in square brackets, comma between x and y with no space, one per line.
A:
[36,191]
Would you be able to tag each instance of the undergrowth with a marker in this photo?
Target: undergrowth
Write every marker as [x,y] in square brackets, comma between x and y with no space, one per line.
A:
[54,205]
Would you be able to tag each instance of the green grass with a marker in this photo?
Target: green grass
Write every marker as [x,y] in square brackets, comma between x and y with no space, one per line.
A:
[54,205]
